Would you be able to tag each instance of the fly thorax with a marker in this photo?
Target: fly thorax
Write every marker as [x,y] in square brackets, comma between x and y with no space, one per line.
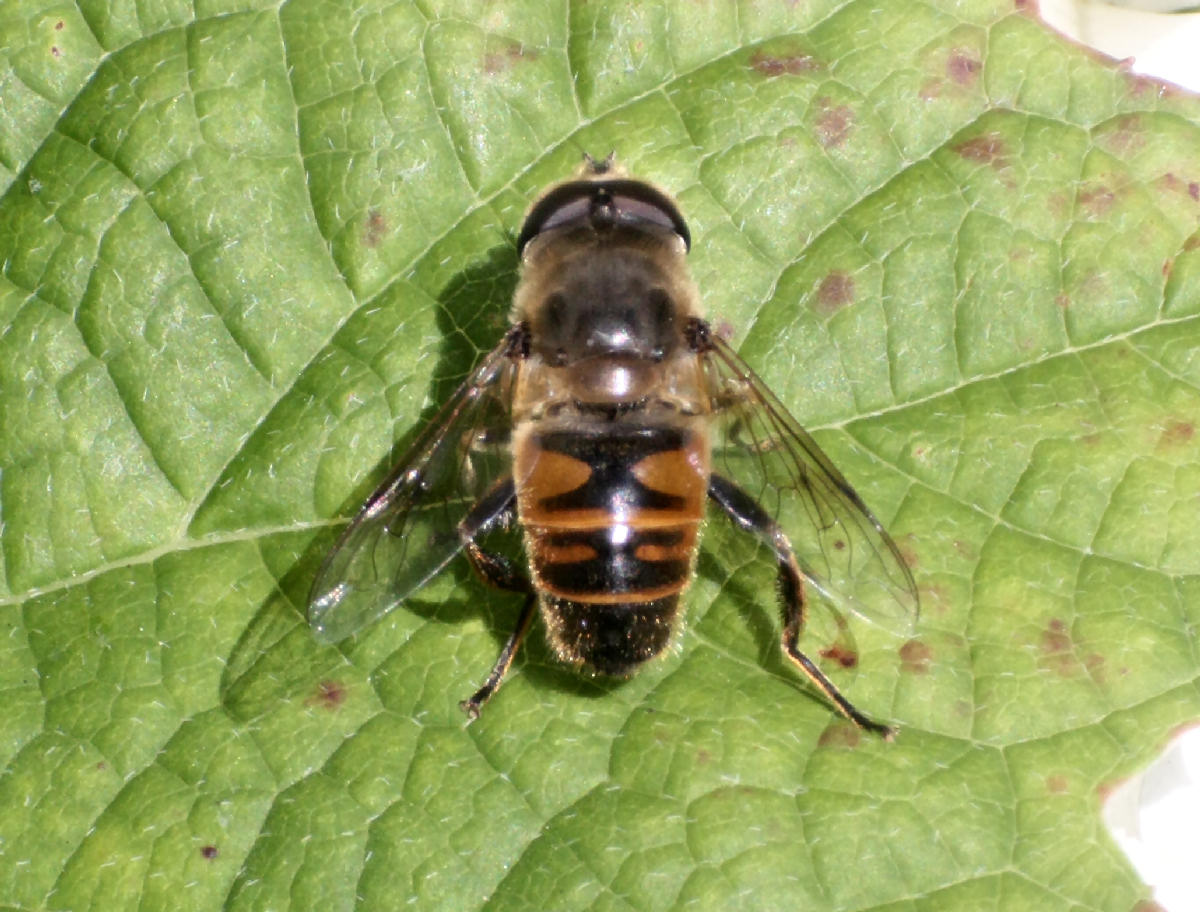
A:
[613,379]
[609,302]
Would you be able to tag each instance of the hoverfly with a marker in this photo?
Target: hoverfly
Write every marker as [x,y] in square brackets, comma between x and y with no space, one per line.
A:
[601,425]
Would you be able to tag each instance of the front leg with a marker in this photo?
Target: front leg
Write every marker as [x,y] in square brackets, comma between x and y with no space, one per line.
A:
[749,516]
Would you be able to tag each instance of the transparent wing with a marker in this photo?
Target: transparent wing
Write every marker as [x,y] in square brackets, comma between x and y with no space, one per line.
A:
[407,530]
[841,547]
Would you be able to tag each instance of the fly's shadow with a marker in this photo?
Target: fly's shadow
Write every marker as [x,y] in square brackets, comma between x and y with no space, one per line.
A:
[354,383]
[471,315]
[745,574]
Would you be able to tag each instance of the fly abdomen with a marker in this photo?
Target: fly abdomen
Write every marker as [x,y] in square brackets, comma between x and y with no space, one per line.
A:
[611,513]
[612,510]
[612,639]
[616,561]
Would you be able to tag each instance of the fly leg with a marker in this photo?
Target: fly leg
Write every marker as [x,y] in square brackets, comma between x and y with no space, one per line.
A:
[496,508]
[749,516]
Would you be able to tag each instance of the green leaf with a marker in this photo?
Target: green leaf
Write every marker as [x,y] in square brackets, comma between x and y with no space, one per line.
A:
[246,248]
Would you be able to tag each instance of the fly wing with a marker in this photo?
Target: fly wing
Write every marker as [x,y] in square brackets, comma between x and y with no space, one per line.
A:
[408,529]
[841,547]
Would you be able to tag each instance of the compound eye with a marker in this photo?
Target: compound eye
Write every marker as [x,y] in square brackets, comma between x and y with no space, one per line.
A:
[625,203]
[630,209]
[574,211]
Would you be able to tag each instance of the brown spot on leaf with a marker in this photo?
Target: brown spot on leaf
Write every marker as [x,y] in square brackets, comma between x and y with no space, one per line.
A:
[835,292]
[1057,784]
[55,51]
[210,852]
[989,149]
[833,125]
[1194,190]
[1060,653]
[1171,182]
[1094,286]
[935,598]
[1192,243]
[1062,300]
[772,65]
[1176,433]
[963,67]
[840,734]
[374,228]
[843,655]
[1096,199]
[1127,136]
[506,57]
[329,695]
[1140,84]
[1055,637]
[58,26]
[915,657]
